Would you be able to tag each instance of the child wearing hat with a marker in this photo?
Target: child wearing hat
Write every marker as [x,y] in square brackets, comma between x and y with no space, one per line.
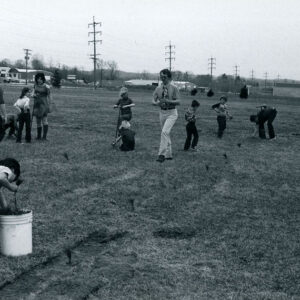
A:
[22,105]
[125,104]
[222,114]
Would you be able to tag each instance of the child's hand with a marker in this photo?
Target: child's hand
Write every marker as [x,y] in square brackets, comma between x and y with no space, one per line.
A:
[115,106]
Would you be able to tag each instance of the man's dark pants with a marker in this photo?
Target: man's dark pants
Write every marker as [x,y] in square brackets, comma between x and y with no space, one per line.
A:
[191,130]
[262,133]
[222,125]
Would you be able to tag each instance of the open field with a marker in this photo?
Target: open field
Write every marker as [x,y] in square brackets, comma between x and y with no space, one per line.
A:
[143,230]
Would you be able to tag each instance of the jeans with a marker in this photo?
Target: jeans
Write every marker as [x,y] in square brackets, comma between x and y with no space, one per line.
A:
[167,120]
[222,125]
[262,133]
[24,118]
[191,131]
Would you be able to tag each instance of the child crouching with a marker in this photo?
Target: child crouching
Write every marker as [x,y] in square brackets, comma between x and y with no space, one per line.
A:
[127,135]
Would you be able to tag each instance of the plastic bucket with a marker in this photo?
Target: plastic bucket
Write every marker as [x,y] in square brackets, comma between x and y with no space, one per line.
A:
[16,234]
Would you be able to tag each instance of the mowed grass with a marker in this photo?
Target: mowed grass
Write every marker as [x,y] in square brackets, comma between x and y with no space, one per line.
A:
[229,232]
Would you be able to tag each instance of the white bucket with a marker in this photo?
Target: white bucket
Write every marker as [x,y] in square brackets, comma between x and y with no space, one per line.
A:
[16,234]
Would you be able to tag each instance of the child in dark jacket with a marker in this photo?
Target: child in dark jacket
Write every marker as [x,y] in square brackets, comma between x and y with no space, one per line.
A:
[191,129]
[127,135]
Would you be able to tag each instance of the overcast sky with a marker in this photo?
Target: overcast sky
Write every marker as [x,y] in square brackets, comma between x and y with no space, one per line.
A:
[263,35]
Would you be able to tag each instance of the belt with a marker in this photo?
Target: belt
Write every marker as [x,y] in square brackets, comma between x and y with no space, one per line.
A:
[168,108]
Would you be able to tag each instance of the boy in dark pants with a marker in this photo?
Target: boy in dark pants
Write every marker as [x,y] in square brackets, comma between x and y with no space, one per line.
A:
[22,105]
[221,109]
[191,129]
[266,114]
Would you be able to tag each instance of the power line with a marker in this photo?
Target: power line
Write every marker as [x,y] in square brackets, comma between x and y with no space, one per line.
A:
[94,41]
[27,56]
[170,52]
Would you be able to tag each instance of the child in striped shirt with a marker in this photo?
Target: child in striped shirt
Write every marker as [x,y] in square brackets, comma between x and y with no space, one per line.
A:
[221,109]
[191,129]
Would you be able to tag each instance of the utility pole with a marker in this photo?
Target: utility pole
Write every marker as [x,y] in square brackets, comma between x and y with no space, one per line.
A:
[94,41]
[27,56]
[266,77]
[170,53]
[211,66]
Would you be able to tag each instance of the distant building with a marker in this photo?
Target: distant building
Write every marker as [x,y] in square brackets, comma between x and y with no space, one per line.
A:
[283,89]
[4,74]
[140,82]
[20,74]
[181,85]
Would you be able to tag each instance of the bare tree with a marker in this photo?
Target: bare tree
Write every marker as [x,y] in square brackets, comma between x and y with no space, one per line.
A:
[37,62]
[113,69]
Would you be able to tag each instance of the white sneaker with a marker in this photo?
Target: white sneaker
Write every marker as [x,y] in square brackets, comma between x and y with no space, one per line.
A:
[273,139]
[194,149]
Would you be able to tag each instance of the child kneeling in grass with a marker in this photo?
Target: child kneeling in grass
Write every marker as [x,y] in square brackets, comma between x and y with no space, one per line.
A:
[127,135]
[9,178]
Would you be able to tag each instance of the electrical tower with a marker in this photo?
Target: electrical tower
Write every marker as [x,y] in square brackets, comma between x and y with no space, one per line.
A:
[212,66]
[170,53]
[94,41]
[236,70]
[27,56]
[252,75]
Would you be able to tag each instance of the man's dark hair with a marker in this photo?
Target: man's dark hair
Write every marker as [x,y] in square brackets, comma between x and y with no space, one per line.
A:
[195,103]
[12,164]
[253,118]
[223,97]
[39,75]
[166,72]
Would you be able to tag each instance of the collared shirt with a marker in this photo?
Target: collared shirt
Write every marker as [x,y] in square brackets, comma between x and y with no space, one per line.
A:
[23,103]
[169,92]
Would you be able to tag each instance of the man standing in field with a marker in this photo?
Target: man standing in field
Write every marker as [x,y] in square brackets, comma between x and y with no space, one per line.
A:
[166,96]
[3,115]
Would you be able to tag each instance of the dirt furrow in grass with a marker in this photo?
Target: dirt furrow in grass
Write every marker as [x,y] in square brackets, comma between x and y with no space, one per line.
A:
[74,272]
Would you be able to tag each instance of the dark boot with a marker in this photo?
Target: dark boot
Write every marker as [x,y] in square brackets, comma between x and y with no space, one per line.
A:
[45,131]
[39,133]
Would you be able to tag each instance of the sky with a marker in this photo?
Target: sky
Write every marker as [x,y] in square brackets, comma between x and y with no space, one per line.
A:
[258,35]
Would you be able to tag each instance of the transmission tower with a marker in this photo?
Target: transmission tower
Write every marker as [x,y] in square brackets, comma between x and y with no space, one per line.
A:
[236,70]
[27,57]
[94,41]
[170,53]
[212,66]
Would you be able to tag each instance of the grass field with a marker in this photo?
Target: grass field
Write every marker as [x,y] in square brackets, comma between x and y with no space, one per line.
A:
[138,229]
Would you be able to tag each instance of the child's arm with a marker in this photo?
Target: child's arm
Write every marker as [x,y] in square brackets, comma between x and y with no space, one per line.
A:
[5,183]
[3,203]
[129,105]
[17,107]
